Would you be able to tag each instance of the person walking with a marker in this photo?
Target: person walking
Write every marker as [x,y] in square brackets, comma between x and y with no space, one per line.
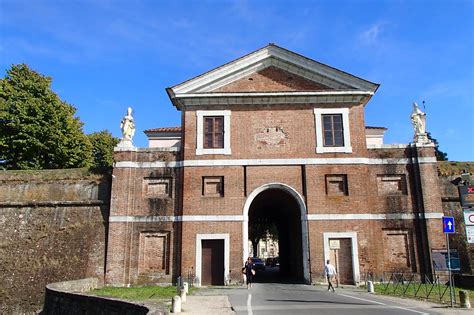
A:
[249,271]
[330,273]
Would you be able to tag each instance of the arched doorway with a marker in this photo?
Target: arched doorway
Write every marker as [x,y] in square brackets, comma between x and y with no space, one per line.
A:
[283,206]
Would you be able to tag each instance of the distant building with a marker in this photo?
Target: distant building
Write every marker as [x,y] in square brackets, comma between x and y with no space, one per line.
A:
[272,136]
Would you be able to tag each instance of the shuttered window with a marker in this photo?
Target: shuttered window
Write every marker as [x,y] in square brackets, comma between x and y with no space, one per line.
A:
[333,130]
[213,132]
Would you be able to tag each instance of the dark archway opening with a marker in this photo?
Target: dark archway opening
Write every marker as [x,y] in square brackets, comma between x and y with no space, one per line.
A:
[278,208]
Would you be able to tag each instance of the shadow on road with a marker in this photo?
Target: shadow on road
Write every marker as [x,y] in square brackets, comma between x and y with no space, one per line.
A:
[273,275]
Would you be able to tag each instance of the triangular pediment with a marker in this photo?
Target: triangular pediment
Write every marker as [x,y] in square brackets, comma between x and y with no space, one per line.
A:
[273,69]
[272,79]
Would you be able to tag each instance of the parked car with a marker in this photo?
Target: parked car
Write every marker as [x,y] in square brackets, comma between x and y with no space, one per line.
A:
[258,263]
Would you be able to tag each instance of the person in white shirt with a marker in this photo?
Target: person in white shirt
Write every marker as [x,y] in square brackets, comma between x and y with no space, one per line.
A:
[330,273]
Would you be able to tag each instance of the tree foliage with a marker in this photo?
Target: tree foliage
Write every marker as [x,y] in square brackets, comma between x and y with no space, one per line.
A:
[440,155]
[103,144]
[37,129]
[260,230]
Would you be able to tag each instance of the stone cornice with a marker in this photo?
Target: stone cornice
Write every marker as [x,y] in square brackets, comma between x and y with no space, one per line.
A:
[271,98]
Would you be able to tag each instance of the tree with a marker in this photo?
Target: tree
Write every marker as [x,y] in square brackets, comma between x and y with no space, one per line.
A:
[260,230]
[440,155]
[103,144]
[37,129]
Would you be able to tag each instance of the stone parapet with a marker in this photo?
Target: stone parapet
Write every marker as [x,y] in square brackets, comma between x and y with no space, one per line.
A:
[69,297]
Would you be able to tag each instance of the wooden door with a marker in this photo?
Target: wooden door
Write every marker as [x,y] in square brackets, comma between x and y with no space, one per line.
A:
[212,262]
[342,259]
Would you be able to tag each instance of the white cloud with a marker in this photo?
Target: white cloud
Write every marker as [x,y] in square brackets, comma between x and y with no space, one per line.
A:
[371,35]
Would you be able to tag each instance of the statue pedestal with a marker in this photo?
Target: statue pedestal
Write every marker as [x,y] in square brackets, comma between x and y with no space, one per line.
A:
[125,144]
[421,138]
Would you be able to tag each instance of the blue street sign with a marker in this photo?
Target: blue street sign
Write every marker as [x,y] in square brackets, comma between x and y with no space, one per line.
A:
[448,225]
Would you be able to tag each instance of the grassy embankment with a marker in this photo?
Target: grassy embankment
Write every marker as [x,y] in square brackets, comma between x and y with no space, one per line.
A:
[438,293]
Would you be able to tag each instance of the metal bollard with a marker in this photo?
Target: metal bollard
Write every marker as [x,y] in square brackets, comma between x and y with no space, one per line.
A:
[176,304]
[464,299]
[179,284]
[370,287]
[186,287]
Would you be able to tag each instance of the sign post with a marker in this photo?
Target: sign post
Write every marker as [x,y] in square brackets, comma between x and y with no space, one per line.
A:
[469,223]
[335,245]
[448,228]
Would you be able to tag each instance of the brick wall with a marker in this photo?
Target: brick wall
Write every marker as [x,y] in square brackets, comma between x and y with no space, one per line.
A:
[297,122]
[135,194]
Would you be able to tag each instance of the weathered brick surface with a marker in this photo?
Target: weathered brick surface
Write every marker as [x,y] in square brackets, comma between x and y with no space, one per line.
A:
[272,79]
[54,227]
[126,255]
[294,120]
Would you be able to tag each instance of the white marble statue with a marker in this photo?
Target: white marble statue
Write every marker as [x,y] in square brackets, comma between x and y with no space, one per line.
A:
[127,125]
[418,119]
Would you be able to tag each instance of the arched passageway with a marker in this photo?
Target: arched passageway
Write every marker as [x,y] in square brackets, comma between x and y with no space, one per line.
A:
[281,206]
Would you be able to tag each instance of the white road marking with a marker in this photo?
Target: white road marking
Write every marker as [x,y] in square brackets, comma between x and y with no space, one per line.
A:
[380,303]
[357,298]
[249,305]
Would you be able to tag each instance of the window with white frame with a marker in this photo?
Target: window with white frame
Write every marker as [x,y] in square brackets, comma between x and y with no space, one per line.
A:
[332,130]
[213,132]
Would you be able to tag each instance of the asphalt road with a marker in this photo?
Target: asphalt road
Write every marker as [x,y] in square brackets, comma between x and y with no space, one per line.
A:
[277,298]
[269,295]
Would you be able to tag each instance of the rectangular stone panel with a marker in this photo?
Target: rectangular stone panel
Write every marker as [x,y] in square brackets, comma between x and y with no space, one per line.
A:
[336,185]
[153,249]
[391,184]
[398,250]
[157,187]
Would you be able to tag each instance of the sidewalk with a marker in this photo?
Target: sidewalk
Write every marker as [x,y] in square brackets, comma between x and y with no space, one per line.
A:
[207,304]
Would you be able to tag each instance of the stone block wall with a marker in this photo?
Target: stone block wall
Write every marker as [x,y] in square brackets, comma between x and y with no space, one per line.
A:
[54,227]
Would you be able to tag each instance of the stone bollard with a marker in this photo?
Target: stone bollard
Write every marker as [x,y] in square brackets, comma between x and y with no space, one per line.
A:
[464,299]
[176,304]
[186,287]
[370,287]
[183,295]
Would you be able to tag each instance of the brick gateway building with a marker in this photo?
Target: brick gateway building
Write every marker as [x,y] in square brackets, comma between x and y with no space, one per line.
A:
[279,137]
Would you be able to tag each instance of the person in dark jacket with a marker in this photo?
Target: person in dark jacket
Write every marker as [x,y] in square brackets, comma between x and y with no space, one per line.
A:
[249,271]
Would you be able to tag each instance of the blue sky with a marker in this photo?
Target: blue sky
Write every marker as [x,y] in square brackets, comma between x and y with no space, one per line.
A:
[104,56]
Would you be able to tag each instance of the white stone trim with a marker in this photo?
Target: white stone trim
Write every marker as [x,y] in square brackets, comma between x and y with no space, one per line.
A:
[387,146]
[259,162]
[309,217]
[373,216]
[267,94]
[198,265]
[278,57]
[320,148]
[148,149]
[200,114]
[214,99]
[304,222]
[184,218]
[354,250]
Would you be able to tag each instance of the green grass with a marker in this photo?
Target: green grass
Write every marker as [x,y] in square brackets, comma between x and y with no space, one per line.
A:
[421,291]
[150,292]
